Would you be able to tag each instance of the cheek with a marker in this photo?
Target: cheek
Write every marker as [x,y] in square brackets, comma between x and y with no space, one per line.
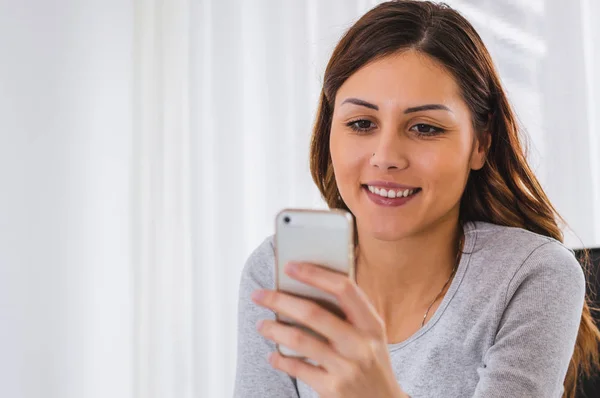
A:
[443,170]
[346,158]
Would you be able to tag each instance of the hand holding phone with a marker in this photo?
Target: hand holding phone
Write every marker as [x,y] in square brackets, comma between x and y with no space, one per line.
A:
[321,237]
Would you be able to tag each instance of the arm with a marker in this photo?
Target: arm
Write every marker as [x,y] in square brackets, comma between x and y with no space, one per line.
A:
[538,329]
[254,375]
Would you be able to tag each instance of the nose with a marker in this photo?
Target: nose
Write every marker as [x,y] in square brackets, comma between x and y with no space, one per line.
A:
[389,154]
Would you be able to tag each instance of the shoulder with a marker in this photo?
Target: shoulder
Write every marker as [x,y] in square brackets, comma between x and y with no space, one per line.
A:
[258,269]
[555,268]
[521,254]
[501,237]
[516,244]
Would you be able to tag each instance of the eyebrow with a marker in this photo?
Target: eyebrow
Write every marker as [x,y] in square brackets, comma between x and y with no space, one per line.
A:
[427,107]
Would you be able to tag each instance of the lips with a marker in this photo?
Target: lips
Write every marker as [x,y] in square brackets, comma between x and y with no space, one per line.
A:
[392,193]
[375,194]
[388,185]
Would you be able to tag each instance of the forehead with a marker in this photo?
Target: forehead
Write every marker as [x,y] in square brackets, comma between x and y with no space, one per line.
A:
[402,79]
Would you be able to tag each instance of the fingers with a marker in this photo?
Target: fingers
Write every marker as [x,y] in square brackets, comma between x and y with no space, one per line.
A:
[353,301]
[303,343]
[339,333]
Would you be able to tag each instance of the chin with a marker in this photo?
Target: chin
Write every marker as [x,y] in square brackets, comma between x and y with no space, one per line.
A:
[388,229]
[390,236]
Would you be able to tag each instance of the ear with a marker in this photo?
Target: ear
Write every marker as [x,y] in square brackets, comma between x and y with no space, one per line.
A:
[481,147]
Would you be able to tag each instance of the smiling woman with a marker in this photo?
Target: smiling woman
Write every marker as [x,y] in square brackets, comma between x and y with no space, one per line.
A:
[459,256]
[417,134]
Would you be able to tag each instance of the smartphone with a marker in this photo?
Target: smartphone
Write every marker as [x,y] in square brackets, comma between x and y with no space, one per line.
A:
[321,237]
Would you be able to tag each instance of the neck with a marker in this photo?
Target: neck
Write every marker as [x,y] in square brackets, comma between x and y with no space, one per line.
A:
[405,275]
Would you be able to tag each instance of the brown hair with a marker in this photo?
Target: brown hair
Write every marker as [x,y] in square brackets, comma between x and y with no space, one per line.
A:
[505,191]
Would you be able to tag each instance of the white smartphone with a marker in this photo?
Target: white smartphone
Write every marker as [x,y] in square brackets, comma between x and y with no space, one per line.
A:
[322,237]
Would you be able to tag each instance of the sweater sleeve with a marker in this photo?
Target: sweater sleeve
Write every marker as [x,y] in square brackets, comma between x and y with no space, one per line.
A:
[538,328]
[254,375]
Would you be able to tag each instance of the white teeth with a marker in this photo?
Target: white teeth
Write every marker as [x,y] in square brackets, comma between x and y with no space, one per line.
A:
[391,193]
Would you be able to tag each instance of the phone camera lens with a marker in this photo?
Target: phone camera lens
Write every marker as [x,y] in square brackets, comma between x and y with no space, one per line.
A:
[286,220]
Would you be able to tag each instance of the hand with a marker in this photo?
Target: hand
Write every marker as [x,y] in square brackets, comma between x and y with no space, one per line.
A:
[355,361]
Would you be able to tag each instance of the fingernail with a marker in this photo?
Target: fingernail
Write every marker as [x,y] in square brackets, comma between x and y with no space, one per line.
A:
[259,324]
[292,268]
[258,294]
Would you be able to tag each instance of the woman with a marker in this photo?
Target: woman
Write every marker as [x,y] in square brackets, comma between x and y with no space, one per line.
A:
[463,287]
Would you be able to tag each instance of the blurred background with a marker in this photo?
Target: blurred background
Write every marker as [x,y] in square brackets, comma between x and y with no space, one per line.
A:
[146,145]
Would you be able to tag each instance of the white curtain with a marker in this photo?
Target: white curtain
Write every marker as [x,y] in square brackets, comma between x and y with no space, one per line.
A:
[146,146]
[66,310]
[161,211]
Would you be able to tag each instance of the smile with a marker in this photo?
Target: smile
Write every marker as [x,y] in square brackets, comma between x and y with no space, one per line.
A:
[390,197]
[392,193]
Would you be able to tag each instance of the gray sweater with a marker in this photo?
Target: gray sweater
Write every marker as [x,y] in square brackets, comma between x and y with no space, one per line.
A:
[506,327]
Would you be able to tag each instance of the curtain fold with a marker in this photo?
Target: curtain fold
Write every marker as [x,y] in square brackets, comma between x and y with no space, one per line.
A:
[161,208]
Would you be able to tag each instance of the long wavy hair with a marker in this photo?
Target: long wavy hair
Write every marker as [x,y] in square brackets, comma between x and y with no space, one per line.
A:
[505,191]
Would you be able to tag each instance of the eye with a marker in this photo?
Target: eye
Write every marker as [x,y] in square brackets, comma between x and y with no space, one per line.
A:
[426,129]
[360,125]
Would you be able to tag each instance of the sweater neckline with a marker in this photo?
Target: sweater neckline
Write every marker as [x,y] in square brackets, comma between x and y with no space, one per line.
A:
[469,230]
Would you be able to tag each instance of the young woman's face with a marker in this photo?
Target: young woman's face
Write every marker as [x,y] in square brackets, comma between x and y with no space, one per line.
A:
[401,120]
